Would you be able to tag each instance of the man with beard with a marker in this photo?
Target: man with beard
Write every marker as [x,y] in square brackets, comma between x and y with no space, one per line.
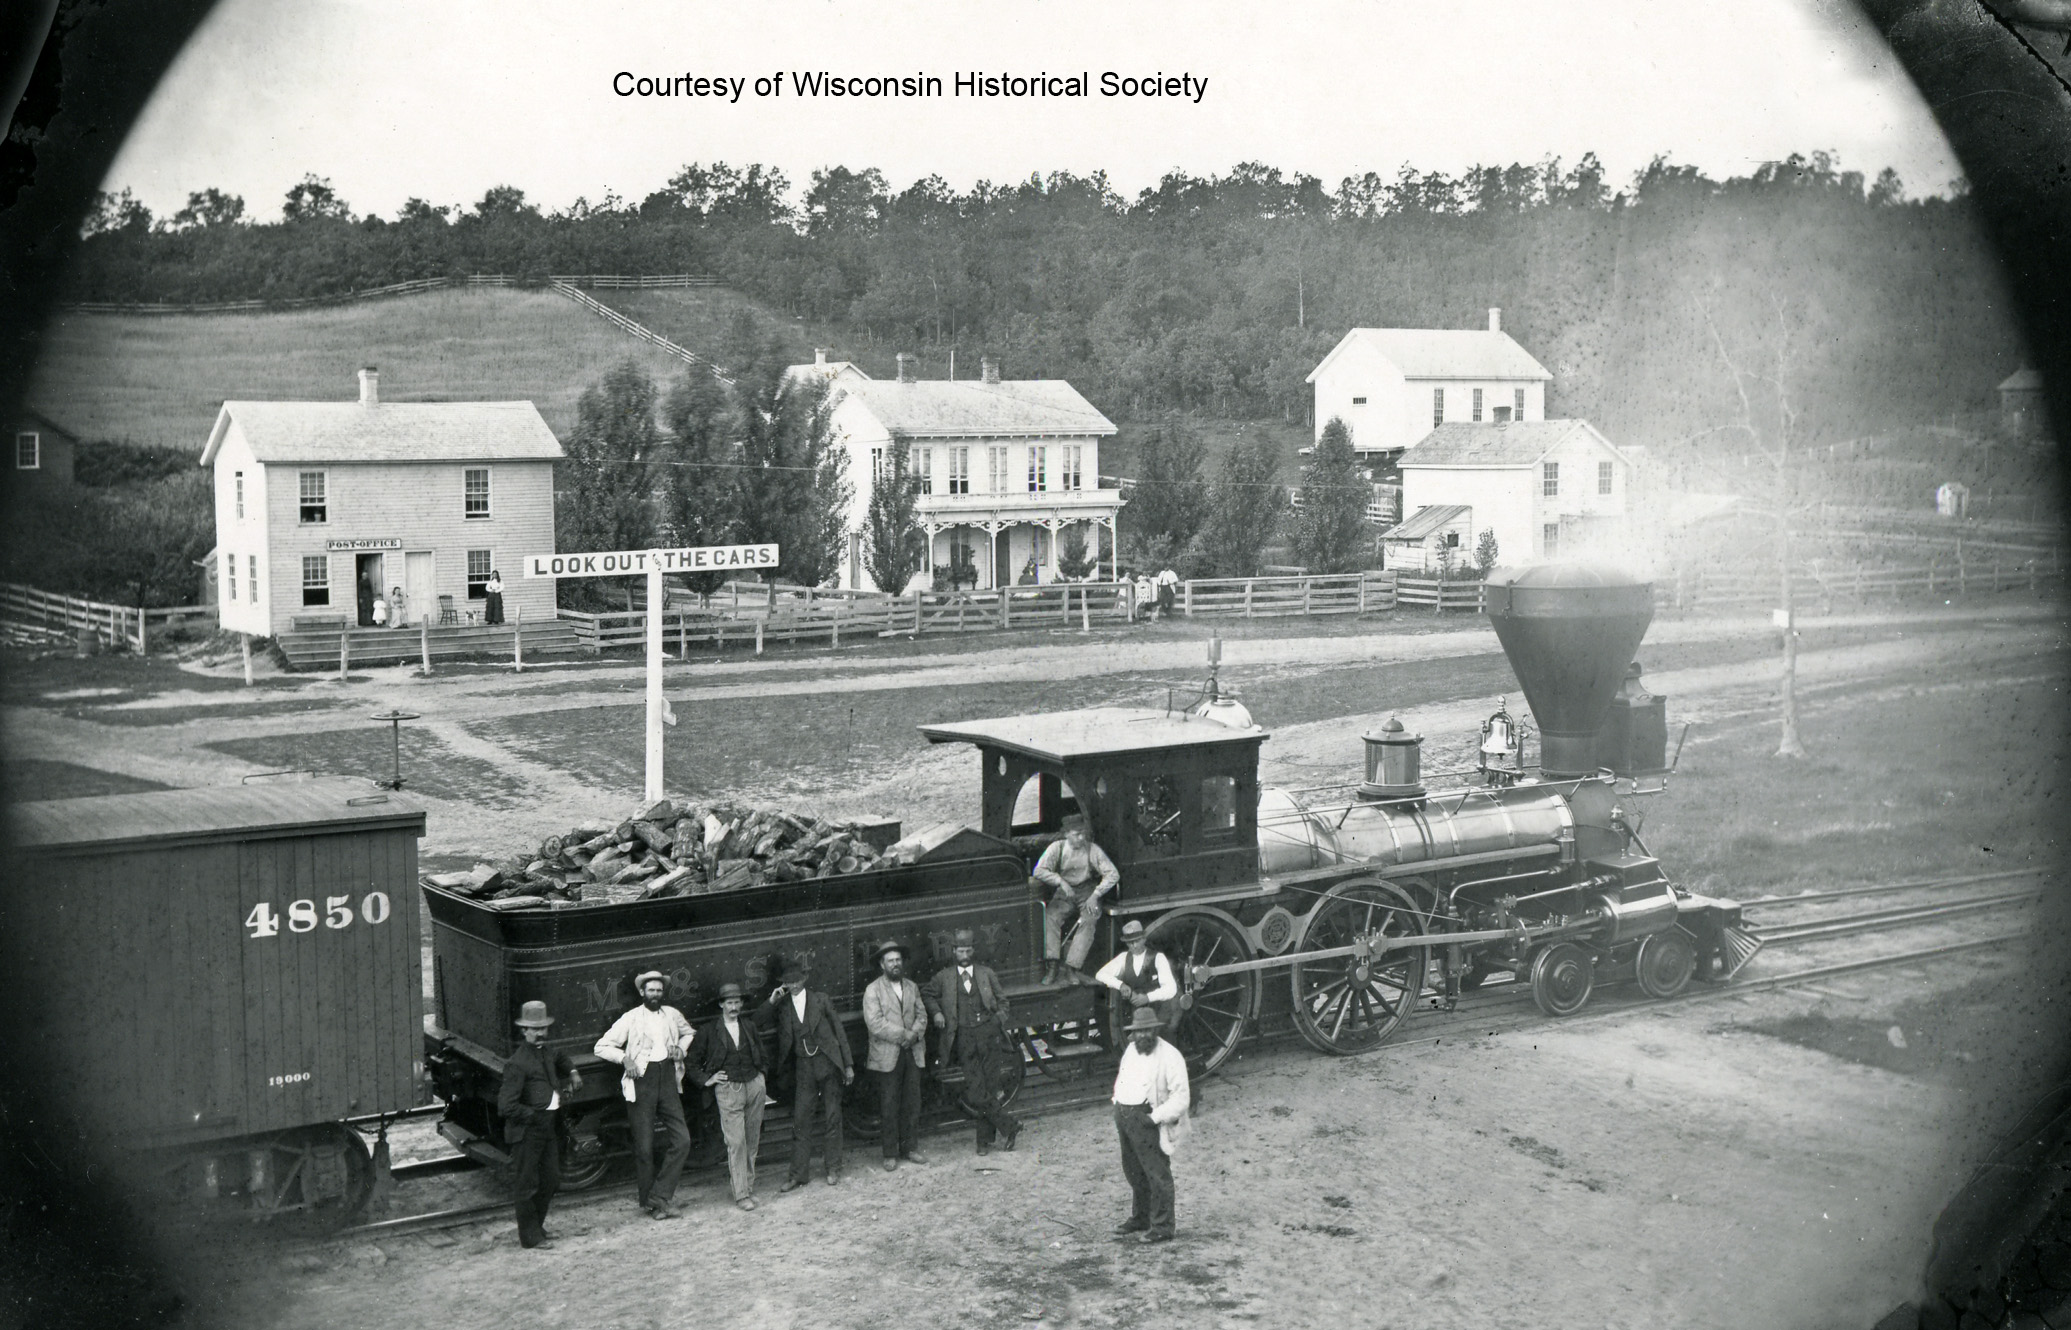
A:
[1151,1118]
[898,1024]
[730,1064]
[530,1105]
[651,1042]
[968,1005]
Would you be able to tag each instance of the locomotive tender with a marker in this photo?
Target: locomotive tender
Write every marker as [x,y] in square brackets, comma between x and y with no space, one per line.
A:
[1370,906]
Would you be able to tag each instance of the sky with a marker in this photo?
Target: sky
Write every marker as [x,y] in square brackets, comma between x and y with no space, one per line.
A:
[391,99]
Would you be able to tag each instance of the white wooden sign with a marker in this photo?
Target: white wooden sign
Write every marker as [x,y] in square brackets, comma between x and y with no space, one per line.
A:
[630,563]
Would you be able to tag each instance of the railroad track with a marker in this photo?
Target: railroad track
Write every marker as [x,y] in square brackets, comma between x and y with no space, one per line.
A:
[1502,1007]
[1870,921]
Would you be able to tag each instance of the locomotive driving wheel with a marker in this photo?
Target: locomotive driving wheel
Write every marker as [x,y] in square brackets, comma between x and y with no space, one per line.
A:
[585,1158]
[1211,1015]
[1666,963]
[1349,1004]
[1563,976]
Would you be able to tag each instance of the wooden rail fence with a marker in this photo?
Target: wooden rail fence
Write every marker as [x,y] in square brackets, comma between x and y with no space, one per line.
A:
[112,625]
[1824,585]
[637,329]
[596,280]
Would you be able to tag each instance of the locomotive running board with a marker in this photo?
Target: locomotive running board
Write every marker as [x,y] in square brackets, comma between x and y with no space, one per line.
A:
[1737,947]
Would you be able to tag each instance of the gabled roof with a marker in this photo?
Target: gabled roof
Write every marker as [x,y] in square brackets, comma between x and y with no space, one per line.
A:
[29,414]
[1442,353]
[1065,736]
[971,408]
[2022,379]
[389,432]
[1510,444]
[1432,517]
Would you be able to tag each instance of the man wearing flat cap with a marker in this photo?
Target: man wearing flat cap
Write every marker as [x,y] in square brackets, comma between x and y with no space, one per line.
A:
[1141,976]
[651,1042]
[811,1042]
[731,1063]
[1151,1118]
[530,1104]
[898,1023]
[969,1007]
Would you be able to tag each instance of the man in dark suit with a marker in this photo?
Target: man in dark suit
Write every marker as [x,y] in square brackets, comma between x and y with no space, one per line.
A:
[811,1042]
[967,1003]
[731,1063]
[530,1103]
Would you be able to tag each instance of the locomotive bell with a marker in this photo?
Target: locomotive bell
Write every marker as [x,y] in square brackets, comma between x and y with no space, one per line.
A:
[1394,763]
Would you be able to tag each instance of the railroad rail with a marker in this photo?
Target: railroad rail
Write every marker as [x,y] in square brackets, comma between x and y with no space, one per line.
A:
[1498,1008]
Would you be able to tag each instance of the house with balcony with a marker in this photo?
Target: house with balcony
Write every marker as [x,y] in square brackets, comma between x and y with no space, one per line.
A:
[1394,386]
[1007,469]
[1549,489]
[323,507]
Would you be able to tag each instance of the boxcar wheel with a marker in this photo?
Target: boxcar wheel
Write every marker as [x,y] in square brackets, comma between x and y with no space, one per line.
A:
[1343,1005]
[1563,976]
[305,1146]
[1666,963]
[1209,1019]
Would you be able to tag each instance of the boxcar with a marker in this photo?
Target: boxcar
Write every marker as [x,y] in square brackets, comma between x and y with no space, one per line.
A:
[219,977]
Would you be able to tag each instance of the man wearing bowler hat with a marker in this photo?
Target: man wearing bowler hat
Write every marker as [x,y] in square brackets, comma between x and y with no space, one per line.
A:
[651,1042]
[731,1064]
[968,1005]
[812,1043]
[898,1024]
[530,1104]
[1151,1118]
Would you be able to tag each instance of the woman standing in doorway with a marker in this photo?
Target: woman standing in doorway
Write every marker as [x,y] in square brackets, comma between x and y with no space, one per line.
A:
[398,608]
[492,594]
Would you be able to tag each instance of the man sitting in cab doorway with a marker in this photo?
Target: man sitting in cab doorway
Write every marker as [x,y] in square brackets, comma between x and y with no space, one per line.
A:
[1077,874]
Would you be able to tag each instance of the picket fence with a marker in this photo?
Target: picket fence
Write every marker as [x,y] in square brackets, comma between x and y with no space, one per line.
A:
[111,625]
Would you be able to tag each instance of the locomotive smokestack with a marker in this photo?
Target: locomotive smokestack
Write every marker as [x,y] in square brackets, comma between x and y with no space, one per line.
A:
[1569,631]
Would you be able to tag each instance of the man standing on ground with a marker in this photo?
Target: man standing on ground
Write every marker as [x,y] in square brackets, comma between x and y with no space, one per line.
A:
[1077,874]
[530,1104]
[731,1064]
[968,1005]
[651,1042]
[1151,1118]
[1141,975]
[898,1024]
[811,1042]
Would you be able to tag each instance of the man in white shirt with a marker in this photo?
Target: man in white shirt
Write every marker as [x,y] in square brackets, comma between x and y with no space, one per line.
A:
[1141,975]
[1077,874]
[1151,1118]
[651,1042]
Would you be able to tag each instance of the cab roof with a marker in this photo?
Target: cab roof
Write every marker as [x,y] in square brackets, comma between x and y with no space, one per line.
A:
[1067,736]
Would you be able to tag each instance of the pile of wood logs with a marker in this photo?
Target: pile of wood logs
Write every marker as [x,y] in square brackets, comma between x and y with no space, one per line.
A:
[671,849]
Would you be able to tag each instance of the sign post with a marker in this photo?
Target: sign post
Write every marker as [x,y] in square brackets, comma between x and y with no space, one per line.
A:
[653,564]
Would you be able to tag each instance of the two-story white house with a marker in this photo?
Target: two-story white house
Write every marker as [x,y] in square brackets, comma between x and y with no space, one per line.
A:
[1547,488]
[321,507]
[1393,386]
[1006,469]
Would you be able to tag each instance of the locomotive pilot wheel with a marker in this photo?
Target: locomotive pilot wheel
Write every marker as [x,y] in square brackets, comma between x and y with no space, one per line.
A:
[1345,1005]
[1666,963]
[1208,1019]
[1563,976]
[585,1158]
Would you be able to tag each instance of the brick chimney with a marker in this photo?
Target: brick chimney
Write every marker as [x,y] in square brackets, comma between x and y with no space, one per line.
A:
[819,355]
[905,368]
[1495,319]
[370,386]
[989,369]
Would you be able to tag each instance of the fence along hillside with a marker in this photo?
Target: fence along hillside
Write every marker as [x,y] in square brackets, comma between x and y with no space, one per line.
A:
[595,281]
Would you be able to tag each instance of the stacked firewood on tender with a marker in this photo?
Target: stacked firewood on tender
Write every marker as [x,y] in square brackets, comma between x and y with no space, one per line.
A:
[671,849]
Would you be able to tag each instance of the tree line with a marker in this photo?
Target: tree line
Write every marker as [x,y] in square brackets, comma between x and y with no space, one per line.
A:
[1216,294]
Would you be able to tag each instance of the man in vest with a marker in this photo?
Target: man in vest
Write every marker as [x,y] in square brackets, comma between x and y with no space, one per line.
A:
[1151,1118]
[811,1042]
[1077,874]
[968,1005]
[530,1104]
[1142,976]
[898,1024]
[651,1042]
[731,1064]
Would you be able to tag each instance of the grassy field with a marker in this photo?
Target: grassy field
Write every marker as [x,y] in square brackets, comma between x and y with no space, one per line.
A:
[697,318]
[159,379]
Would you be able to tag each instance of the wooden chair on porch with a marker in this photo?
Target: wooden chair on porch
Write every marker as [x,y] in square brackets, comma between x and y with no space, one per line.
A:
[447,614]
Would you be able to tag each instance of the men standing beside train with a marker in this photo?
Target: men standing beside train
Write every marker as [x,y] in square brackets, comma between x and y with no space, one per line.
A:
[651,1042]
[1141,975]
[898,1024]
[811,1042]
[530,1104]
[968,1005]
[1077,874]
[1151,1118]
[731,1064]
